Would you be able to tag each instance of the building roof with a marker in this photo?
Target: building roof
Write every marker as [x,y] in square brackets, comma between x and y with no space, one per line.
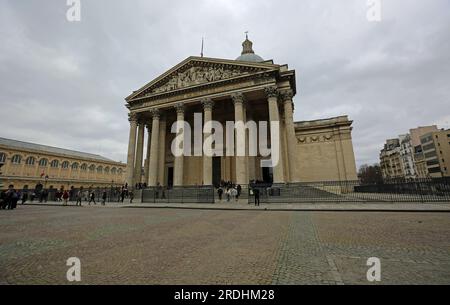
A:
[52,150]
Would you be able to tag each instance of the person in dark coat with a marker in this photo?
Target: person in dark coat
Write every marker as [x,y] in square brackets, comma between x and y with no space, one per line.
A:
[256,194]
[92,198]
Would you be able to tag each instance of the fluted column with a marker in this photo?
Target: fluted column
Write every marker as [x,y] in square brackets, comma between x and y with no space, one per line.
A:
[131,149]
[139,153]
[207,160]
[179,160]
[147,157]
[241,167]
[274,116]
[287,96]
[162,151]
[153,163]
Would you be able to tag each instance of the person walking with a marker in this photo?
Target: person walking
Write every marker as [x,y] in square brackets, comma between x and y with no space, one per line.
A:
[131,195]
[24,197]
[65,197]
[234,193]
[104,198]
[79,197]
[92,198]
[220,192]
[122,195]
[256,194]
[239,190]
[228,194]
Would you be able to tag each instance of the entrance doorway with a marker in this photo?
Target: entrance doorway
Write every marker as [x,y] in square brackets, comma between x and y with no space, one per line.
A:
[170,177]
[267,173]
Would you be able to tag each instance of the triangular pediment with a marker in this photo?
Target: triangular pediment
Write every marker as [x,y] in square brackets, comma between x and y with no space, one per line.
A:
[197,71]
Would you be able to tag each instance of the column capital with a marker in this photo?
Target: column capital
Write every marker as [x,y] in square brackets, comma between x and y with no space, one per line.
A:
[271,91]
[207,103]
[238,98]
[286,95]
[179,108]
[132,117]
[156,114]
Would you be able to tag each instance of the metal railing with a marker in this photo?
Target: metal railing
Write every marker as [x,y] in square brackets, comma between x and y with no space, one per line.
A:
[394,190]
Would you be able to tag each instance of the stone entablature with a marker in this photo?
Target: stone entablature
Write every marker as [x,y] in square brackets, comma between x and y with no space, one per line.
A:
[324,130]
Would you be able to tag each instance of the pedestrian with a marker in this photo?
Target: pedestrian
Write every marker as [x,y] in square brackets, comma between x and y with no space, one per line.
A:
[122,195]
[228,194]
[24,197]
[234,194]
[220,192]
[65,197]
[238,189]
[256,194]
[79,197]
[92,198]
[131,195]
[104,198]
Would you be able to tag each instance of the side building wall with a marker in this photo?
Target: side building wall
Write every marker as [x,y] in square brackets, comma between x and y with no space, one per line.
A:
[325,150]
[79,171]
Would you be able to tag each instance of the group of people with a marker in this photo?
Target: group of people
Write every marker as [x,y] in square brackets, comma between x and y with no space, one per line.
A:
[232,192]
[9,198]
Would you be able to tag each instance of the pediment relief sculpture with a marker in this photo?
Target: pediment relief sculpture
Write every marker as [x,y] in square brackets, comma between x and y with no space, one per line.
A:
[198,75]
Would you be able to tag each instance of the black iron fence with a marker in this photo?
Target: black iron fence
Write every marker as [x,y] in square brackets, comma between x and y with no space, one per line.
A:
[186,194]
[417,190]
[399,190]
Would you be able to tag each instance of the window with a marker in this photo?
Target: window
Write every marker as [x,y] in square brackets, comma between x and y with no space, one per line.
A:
[432,162]
[92,168]
[75,166]
[65,164]
[107,170]
[54,163]
[16,159]
[2,157]
[43,162]
[434,170]
[99,169]
[113,170]
[30,161]
[119,171]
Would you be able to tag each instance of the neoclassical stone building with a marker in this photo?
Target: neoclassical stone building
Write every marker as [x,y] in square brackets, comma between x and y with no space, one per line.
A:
[27,164]
[248,88]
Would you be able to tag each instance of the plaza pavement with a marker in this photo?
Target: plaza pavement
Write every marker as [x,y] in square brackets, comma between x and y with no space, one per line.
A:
[207,246]
[317,206]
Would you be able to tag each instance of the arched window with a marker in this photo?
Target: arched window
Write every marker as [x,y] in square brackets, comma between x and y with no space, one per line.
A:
[2,157]
[43,162]
[99,169]
[16,159]
[113,170]
[107,170]
[92,168]
[120,171]
[54,163]
[75,166]
[30,161]
[65,164]
[84,167]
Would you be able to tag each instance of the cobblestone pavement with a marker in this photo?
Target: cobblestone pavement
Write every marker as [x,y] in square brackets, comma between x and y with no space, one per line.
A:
[182,246]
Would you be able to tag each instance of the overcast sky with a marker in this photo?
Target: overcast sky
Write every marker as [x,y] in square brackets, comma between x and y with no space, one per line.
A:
[64,83]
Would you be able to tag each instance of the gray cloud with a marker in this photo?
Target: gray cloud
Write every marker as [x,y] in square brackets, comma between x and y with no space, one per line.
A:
[64,83]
